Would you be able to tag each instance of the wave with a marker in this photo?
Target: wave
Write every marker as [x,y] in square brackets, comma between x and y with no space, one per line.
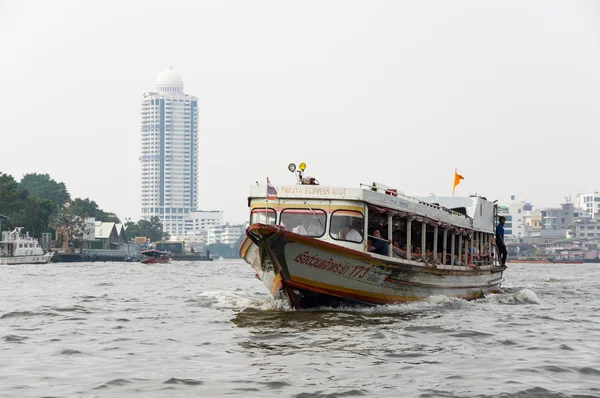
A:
[188,382]
[25,314]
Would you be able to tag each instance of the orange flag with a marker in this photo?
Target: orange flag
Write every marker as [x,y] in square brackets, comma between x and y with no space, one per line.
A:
[457,178]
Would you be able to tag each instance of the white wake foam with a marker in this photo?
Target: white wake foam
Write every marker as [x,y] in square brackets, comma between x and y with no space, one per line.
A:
[523,296]
[233,300]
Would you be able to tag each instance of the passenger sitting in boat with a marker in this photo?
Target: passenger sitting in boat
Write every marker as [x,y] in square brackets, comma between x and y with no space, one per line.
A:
[485,256]
[349,233]
[300,229]
[309,227]
[474,252]
[399,251]
[452,260]
[399,238]
[378,245]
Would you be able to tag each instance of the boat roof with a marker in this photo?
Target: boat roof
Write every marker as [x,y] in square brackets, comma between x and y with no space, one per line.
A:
[472,212]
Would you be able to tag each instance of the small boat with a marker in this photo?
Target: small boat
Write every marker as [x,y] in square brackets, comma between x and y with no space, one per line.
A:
[16,248]
[315,246]
[155,257]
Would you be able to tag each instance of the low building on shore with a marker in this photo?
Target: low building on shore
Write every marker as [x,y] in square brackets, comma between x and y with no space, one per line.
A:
[108,236]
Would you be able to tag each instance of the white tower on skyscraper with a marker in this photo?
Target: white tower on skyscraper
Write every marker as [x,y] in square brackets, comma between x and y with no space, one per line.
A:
[169,153]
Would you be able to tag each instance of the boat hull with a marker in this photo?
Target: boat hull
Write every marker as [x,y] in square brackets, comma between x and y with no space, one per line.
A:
[155,261]
[311,273]
[33,259]
[517,261]
[191,257]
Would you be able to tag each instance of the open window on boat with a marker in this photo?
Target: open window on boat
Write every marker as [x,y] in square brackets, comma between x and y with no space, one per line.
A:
[399,236]
[379,222]
[261,216]
[347,225]
[304,221]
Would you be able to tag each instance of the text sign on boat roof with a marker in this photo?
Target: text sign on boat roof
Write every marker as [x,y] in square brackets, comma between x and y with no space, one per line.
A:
[309,191]
[313,190]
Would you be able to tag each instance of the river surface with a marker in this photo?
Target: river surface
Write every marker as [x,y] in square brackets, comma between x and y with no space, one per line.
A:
[211,330]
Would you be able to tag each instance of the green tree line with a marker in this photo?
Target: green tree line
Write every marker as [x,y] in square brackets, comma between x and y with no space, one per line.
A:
[39,204]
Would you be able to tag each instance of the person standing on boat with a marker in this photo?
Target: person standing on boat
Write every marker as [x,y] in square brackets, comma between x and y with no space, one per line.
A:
[502,252]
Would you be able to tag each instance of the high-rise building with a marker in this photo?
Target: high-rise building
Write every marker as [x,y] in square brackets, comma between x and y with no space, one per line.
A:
[589,203]
[169,153]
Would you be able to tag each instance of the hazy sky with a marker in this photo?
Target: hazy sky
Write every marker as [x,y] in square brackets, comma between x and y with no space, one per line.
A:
[399,92]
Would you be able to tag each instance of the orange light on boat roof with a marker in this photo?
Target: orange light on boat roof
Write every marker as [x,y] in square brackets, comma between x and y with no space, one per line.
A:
[302,166]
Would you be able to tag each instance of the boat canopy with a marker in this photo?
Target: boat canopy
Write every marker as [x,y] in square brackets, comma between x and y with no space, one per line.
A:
[476,213]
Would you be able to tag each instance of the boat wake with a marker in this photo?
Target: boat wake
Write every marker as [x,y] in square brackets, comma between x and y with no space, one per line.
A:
[240,301]
[523,296]
[235,300]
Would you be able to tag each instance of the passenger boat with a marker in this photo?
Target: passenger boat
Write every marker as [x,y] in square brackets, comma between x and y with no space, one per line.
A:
[314,245]
[16,248]
[155,257]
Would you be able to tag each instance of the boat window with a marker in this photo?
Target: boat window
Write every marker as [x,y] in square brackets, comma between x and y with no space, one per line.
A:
[20,245]
[304,221]
[259,216]
[347,225]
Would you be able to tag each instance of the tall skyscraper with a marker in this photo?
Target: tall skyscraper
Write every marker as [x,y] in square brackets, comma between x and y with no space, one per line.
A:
[169,153]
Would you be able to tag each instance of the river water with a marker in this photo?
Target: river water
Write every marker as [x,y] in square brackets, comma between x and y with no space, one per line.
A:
[212,330]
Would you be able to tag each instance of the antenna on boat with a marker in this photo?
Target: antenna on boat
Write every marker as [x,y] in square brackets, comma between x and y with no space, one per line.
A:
[314,214]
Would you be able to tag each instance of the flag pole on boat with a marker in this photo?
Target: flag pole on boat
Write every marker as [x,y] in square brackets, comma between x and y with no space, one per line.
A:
[267,204]
[271,194]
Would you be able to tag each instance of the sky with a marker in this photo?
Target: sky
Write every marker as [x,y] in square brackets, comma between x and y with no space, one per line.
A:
[401,93]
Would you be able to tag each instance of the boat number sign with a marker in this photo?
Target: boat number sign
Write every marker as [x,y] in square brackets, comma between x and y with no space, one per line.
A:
[347,270]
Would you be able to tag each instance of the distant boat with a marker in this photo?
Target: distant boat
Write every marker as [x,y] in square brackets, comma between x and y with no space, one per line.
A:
[155,257]
[566,261]
[16,248]
[529,261]
[178,252]
[549,260]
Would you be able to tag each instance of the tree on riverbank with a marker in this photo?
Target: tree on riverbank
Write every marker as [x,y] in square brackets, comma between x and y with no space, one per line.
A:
[89,208]
[45,187]
[38,201]
[152,229]
[32,213]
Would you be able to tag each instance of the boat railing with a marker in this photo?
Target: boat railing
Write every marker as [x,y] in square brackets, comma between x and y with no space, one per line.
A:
[387,191]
